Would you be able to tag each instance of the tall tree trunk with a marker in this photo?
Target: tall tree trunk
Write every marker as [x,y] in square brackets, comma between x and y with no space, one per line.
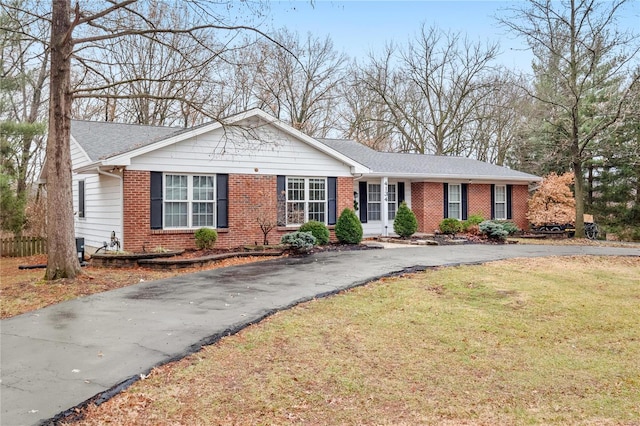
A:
[575,124]
[579,194]
[62,257]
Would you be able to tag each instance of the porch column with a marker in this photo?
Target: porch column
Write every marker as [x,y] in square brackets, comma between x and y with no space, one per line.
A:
[384,208]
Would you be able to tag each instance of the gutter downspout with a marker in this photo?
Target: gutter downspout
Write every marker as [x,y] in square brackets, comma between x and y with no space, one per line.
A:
[121,179]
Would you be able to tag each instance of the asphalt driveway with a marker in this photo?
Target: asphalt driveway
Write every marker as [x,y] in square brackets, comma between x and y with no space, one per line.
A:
[58,357]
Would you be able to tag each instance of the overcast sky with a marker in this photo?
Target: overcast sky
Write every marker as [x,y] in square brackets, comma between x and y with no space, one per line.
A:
[358,27]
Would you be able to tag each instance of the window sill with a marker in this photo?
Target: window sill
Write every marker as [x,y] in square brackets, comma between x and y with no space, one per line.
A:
[184,231]
[291,228]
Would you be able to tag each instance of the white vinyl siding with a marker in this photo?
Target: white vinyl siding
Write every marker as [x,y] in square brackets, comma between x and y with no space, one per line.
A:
[374,199]
[265,151]
[306,200]
[79,158]
[189,201]
[103,209]
[81,199]
[500,206]
[455,201]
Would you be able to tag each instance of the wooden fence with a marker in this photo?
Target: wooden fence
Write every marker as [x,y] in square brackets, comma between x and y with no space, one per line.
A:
[22,246]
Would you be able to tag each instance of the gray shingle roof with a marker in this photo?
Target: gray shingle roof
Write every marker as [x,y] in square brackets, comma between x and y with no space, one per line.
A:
[425,166]
[101,139]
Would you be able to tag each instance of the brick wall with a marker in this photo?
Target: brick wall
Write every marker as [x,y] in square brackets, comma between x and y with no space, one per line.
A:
[479,200]
[427,203]
[252,198]
[519,200]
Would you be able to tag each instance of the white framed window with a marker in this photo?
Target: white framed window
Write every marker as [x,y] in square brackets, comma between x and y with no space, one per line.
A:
[455,201]
[392,201]
[374,202]
[500,202]
[189,201]
[306,200]
[81,199]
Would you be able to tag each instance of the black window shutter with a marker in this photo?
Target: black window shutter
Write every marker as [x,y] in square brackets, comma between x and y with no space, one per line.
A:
[493,201]
[222,201]
[156,200]
[465,189]
[509,214]
[282,199]
[332,183]
[80,198]
[400,192]
[445,194]
[363,201]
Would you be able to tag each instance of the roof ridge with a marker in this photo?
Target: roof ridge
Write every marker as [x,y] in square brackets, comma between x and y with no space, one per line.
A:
[127,124]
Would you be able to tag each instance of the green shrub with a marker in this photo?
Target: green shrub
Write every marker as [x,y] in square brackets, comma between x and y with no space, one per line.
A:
[300,242]
[349,228]
[493,230]
[318,230]
[206,238]
[450,226]
[508,226]
[474,219]
[405,223]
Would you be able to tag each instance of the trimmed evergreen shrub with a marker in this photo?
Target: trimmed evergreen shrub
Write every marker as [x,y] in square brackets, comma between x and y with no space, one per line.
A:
[493,230]
[405,223]
[349,228]
[300,242]
[318,230]
[450,226]
[206,238]
[474,219]
[508,226]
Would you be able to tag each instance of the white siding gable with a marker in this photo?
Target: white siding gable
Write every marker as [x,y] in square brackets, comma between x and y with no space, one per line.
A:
[265,150]
[79,157]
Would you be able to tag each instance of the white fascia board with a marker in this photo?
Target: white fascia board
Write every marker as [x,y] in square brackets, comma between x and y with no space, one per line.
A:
[89,168]
[480,179]
[93,167]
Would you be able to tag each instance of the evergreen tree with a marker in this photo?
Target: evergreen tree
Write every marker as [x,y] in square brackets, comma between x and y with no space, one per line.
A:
[583,65]
[405,223]
[348,228]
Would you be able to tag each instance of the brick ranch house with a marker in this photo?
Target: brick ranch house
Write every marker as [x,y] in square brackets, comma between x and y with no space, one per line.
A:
[154,186]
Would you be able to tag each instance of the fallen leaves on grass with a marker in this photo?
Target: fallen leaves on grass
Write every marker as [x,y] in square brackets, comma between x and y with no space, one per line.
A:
[526,341]
[25,290]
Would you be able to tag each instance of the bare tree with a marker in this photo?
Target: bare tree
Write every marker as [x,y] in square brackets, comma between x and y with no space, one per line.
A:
[500,118]
[75,35]
[431,89]
[300,85]
[151,80]
[363,117]
[588,60]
